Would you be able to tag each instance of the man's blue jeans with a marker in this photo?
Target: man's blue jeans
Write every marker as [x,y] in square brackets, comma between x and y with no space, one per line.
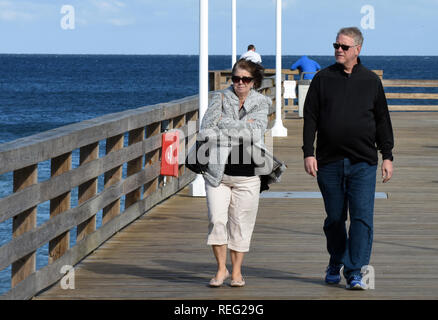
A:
[348,187]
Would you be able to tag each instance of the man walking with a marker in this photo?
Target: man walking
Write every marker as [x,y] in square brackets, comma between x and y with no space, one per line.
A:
[347,108]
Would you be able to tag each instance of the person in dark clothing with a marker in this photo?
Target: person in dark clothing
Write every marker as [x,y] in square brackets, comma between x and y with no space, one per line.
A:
[347,109]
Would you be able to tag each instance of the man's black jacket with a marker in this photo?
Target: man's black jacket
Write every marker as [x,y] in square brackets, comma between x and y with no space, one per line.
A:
[350,115]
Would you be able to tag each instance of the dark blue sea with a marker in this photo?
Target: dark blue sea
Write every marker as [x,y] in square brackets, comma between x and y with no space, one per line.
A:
[42,92]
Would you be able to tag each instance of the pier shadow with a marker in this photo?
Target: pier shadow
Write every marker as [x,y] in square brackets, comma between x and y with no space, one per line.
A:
[290,231]
[247,270]
[176,276]
[190,272]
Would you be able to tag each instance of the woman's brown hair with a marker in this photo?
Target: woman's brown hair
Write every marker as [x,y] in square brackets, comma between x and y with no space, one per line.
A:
[256,70]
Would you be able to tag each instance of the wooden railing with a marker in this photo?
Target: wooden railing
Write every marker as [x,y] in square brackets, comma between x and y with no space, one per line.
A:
[220,79]
[132,140]
[411,95]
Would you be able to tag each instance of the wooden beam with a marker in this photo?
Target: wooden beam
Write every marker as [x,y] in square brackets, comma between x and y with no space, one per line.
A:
[23,223]
[87,190]
[411,95]
[134,166]
[179,122]
[58,205]
[413,107]
[50,144]
[111,177]
[28,242]
[410,83]
[55,186]
[152,157]
[48,275]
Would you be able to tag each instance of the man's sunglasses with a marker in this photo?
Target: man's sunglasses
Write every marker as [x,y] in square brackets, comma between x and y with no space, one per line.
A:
[245,80]
[343,46]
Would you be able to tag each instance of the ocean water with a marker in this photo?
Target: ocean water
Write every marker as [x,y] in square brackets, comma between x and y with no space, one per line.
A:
[42,92]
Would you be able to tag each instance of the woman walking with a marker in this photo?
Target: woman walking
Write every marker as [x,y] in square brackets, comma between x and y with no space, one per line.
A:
[232,184]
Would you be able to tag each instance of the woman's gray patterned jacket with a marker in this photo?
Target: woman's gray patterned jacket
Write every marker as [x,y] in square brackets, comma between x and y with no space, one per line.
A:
[222,127]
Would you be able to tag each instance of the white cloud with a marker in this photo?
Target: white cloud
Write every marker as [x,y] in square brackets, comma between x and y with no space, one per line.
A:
[288,3]
[161,14]
[121,22]
[11,15]
[113,12]
[285,3]
[11,11]
[109,6]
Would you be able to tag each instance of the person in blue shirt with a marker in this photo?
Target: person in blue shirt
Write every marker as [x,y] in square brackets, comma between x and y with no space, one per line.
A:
[305,64]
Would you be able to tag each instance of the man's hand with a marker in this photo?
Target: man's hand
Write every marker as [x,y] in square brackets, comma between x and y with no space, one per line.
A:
[311,165]
[387,170]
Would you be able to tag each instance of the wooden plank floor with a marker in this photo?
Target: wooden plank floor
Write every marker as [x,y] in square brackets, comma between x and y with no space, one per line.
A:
[164,255]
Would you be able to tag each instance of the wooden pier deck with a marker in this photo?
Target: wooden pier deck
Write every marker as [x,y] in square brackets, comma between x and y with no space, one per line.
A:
[163,254]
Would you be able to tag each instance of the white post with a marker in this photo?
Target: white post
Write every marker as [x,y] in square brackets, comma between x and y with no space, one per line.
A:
[197,188]
[278,130]
[233,32]
[203,57]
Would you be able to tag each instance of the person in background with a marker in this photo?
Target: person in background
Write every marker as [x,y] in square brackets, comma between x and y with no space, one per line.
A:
[346,106]
[252,55]
[305,64]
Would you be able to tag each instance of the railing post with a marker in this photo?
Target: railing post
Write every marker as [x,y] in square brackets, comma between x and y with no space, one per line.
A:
[58,205]
[179,122]
[24,222]
[134,166]
[215,80]
[87,190]
[112,177]
[191,120]
[153,129]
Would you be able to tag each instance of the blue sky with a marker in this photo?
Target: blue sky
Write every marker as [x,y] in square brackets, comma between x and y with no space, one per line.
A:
[401,27]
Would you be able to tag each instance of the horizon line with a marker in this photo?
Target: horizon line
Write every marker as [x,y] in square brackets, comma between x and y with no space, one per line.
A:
[197,54]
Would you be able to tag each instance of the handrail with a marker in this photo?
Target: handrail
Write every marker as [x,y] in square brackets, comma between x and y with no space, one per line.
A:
[412,95]
[220,79]
[132,139]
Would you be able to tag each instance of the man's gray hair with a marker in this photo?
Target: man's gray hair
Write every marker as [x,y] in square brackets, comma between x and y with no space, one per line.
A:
[352,32]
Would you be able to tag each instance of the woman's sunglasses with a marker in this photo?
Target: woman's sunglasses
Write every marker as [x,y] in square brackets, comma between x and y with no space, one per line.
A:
[343,46]
[245,80]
